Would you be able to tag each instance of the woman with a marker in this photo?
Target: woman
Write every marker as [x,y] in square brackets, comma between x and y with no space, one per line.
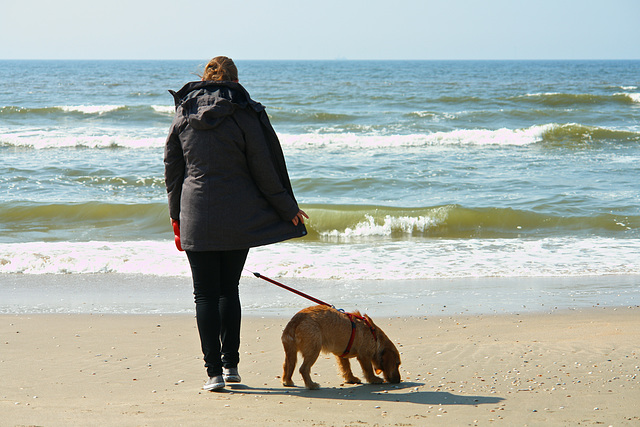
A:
[228,191]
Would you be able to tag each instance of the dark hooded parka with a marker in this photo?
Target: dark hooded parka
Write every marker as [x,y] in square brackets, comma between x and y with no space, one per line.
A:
[225,172]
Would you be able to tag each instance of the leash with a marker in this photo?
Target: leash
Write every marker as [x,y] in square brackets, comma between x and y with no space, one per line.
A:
[351,316]
[295,291]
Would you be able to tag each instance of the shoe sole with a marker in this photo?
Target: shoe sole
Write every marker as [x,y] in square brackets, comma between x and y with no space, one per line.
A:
[213,387]
[232,379]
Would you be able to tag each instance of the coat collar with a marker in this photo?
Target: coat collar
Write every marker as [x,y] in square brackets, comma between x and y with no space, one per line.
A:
[236,92]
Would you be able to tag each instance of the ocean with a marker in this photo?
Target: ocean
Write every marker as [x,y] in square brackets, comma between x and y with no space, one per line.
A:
[424,181]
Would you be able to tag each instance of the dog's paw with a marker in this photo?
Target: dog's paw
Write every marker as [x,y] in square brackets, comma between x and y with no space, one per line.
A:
[313,386]
[352,380]
[375,380]
[288,384]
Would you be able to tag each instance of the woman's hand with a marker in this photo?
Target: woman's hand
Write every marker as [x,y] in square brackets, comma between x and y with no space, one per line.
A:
[176,232]
[299,218]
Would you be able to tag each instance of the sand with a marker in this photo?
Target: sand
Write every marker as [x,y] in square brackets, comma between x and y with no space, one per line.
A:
[569,367]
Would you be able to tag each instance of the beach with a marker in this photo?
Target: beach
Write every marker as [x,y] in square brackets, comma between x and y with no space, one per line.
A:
[569,367]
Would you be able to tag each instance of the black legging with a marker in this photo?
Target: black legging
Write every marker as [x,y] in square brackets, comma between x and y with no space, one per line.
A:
[216,276]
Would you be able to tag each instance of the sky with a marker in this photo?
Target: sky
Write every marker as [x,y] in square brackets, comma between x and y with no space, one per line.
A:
[327,29]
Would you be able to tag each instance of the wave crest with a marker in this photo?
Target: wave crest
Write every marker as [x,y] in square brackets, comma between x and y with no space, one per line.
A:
[554,134]
[347,223]
[58,139]
[547,133]
[571,133]
[556,99]
[85,110]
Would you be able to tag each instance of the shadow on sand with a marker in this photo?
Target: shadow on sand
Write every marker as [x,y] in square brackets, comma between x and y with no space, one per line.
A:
[371,392]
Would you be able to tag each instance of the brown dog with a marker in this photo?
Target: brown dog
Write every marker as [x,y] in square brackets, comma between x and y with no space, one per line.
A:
[322,328]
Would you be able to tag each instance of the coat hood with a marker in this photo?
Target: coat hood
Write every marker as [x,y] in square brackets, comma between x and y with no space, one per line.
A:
[205,104]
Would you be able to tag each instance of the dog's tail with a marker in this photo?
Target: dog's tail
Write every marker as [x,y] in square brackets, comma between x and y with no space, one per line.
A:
[290,353]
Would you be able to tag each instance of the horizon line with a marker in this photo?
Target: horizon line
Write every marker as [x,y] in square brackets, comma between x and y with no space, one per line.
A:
[324,59]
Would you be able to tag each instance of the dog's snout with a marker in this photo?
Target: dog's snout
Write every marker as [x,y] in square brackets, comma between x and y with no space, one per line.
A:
[394,378]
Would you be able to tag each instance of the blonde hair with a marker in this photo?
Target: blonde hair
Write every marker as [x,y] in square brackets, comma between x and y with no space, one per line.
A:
[220,68]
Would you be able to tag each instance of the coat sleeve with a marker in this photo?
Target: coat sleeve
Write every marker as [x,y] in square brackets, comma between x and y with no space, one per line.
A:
[174,169]
[263,162]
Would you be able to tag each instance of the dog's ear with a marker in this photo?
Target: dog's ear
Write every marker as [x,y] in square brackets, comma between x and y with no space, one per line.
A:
[373,325]
[379,365]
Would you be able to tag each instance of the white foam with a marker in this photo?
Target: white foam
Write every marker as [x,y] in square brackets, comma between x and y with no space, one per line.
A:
[346,141]
[635,97]
[389,225]
[415,259]
[502,136]
[91,109]
[437,116]
[101,138]
[89,138]
[164,109]
[147,138]
[148,257]
[549,257]
[540,94]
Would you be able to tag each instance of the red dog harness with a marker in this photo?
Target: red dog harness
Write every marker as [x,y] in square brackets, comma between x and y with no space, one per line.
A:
[351,317]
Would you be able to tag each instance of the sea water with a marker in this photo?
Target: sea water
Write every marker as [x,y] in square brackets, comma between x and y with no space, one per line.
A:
[413,172]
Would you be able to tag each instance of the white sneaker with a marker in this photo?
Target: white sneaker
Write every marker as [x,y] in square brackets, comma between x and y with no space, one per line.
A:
[231,375]
[214,383]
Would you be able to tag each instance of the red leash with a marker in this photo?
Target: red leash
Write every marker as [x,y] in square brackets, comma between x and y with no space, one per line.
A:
[295,291]
[351,316]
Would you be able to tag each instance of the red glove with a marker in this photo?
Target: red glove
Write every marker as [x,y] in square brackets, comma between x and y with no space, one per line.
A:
[176,231]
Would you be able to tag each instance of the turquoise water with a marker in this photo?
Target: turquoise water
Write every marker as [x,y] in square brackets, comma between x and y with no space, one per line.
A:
[408,169]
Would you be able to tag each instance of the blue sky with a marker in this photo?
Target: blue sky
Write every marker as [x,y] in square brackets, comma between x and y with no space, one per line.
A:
[329,29]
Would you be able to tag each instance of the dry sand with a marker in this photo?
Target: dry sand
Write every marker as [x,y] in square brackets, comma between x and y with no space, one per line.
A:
[576,367]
